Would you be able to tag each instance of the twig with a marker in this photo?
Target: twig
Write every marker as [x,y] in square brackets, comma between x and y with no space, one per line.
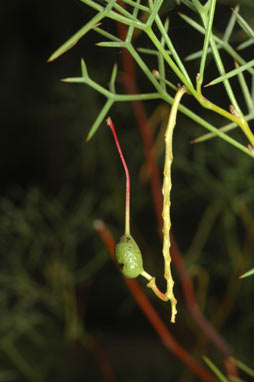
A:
[166,337]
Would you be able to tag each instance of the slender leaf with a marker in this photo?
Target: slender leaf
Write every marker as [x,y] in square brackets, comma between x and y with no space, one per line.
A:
[161,62]
[245,44]
[214,368]
[115,15]
[244,367]
[223,129]
[208,32]
[137,5]
[162,79]
[113,79]
[231,24]
[84,69]
[188,3]
[230,74]
[107,34]
[102,115]
[74,39]
[218,41]
[198,54]
[94,22]
[247,274]
[246,27]
[221,69]
[246,93]
[178,68]
[153,52]
[111,44]
[198,6]
[236,379]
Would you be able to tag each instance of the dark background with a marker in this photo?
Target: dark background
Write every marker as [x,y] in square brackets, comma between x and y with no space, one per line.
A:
[53,186]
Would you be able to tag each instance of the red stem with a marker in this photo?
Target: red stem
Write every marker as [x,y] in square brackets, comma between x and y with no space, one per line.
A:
[152,316]
[127,175]
[129,82]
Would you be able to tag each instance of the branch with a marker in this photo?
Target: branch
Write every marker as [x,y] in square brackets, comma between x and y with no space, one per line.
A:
[152,316]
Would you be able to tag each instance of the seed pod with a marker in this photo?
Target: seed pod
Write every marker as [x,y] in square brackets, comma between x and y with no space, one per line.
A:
[128,257]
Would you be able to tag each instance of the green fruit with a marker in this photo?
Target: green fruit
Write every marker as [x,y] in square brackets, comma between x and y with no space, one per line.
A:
[128,257]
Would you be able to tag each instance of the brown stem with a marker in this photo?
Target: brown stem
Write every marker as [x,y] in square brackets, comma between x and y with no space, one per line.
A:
[166,337]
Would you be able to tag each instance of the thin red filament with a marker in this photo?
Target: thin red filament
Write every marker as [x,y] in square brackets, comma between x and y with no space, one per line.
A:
[127,198]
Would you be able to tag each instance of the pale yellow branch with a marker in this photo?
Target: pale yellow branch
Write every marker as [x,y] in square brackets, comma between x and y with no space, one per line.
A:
[166,188]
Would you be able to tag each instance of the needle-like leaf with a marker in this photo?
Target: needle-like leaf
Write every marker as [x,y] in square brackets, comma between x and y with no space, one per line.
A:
[246,93]
[245,26]
[102,115]
[230,26]
[244,367]
[247,274]
[84,69]
[224,129]
[215,369]
[74,39]
[232,73]
[208,32]
[113,79]
[245,44]
[228,48]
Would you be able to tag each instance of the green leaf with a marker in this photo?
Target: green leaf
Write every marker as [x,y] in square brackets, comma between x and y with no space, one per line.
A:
[113,79]
[236,379]
[111,44]
[245,44]
[107,34]
[72,41]
[230,26]
[93,23]
[198,54]
[99,119]
[247,274]
[218,41]
[244,367]
[152,52]
[230,74]
[246,27]
[188,3]
[84,69]
[208,34]
[157,75]
[198,6]
[215,131]
[214,368]
[223,129]
[160,59]
[137,5]
[246,93]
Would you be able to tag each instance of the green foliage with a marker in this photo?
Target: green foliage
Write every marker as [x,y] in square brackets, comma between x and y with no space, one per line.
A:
[221,377]
[247,274]
[170,59]
[41,240]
